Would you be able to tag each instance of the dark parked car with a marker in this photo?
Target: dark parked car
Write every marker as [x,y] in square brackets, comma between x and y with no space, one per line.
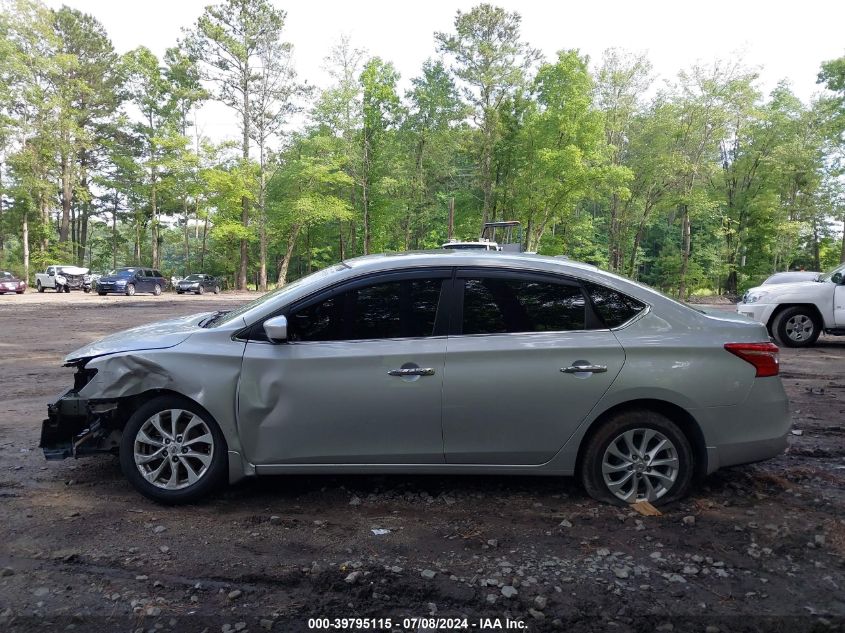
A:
[131,280]
[198,284]
[10,283]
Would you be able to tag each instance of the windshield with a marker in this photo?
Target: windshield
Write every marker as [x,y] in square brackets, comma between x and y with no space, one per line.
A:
[123,272]
[275,294]
[193,278]
[6,275]
[829,276]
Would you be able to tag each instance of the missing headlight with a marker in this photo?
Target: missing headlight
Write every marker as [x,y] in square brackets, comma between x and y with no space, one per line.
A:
[83,375]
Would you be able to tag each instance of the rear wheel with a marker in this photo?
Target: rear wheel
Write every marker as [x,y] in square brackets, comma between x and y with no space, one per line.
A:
[38,286]
[157,290]
[796,327]
[102,294]
[638,456]
[217,290]
[173,452]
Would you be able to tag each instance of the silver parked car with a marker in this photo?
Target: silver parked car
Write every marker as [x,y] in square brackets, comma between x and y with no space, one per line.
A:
[440,362]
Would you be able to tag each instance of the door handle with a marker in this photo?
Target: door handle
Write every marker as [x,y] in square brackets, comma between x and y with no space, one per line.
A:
[585,369]
[412,371]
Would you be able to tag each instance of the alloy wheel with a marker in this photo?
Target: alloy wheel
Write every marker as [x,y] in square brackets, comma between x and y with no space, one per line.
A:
[640,464]
[799,328]
[173,449]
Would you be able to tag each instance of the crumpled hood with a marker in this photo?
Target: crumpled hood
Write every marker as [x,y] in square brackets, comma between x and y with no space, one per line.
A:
[72,270]
[158,335]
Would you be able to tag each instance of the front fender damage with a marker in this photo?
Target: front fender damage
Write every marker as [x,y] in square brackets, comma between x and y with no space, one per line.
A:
[88,418]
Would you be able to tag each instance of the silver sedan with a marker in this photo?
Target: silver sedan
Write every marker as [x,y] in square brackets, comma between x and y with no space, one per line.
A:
[440,362]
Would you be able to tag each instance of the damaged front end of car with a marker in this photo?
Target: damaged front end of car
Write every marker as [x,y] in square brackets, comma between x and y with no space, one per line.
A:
[77,426]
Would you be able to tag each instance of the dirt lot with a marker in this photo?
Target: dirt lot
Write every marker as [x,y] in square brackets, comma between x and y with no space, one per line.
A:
[755,548]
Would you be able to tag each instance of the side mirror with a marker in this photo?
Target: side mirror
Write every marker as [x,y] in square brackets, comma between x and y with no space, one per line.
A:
[277,328]
[837,278]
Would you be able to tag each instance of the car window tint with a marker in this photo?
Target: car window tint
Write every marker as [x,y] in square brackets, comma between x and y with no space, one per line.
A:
[613,307]
[496,306]
[394,309]
[156,273]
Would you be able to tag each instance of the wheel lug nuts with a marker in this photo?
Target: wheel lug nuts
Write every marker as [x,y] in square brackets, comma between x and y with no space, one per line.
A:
[184,449]
[178,438]
[174,459]
[167,441]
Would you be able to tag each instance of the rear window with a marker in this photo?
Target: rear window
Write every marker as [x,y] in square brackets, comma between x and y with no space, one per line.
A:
[613,307]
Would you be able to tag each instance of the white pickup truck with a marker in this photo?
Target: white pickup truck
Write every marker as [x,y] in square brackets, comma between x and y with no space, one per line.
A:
[63,279]
[797,313]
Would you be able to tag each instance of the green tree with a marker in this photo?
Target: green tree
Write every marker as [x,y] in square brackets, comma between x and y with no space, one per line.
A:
[492,60]
[87,80]
[229,39]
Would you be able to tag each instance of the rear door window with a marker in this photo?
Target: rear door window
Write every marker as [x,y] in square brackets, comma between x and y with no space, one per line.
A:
[499,305]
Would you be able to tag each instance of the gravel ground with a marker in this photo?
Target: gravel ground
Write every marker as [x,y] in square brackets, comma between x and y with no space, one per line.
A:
[755,548]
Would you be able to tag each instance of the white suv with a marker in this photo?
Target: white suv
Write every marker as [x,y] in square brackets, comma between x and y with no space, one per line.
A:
[797,313]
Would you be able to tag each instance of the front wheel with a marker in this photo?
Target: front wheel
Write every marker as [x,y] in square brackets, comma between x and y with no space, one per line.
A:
[86,290]
[201,290]
[130,290]
[102,294]
[635,456]
[173,452]
[796,327]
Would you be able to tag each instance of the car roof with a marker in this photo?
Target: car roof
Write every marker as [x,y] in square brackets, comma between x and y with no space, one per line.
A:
[474,258]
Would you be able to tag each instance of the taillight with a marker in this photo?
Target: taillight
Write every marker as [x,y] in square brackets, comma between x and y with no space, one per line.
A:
[764,356]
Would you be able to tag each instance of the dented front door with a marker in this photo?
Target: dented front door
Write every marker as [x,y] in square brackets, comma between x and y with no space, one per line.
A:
[359,380]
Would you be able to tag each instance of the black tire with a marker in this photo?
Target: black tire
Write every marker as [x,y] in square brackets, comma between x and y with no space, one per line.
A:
[102,294]
[201,290]
[86,290]
[593,454]
[38,286]
[210,481]
[130,290]
[157,290]
[67,289]
[787,327]
[217,290]
[178,292]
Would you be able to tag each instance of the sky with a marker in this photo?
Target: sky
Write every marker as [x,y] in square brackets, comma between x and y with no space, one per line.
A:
[785,40]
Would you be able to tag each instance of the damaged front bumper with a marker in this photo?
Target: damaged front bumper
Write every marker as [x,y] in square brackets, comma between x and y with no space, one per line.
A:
[77,426]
